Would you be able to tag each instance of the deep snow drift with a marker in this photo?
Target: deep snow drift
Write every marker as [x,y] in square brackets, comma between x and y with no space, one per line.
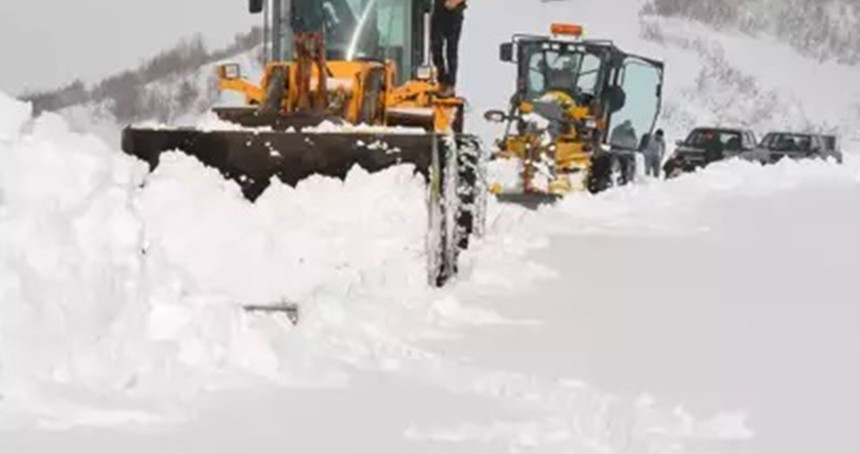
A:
[121,293]
[115,287]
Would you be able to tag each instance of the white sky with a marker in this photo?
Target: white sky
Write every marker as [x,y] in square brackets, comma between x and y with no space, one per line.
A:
[46,43]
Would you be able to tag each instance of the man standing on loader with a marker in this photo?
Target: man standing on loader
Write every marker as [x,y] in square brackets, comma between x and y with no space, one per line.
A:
[445,28]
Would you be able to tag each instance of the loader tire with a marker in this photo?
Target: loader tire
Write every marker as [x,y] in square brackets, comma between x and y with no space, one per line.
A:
[600,173]
[457,208]
[443,213]
[468,190]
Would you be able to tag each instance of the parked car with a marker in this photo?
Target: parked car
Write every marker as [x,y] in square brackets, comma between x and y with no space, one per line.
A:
[706,145]
[781,145]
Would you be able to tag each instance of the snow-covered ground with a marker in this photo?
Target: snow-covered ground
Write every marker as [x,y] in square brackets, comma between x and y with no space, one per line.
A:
[715,313]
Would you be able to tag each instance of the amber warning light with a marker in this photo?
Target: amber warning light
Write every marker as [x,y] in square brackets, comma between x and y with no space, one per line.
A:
[567,29]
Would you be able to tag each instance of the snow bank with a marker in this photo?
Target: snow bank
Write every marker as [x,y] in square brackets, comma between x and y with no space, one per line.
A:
[122,292]
[122,283]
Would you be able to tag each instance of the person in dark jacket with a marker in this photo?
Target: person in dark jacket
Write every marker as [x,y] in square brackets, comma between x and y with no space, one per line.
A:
[655,149]
[714,150]
[445,28]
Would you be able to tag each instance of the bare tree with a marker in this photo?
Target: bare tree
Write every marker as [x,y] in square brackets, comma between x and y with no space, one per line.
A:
[822,29]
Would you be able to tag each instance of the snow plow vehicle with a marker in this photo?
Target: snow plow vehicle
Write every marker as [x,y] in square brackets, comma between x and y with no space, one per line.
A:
[580,108]
[346,85]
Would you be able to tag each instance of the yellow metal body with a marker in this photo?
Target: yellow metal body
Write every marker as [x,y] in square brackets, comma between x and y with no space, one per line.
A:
[566,157]
[358,92]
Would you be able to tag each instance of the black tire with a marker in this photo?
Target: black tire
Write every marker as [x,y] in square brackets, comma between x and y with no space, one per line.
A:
[469,189]
[600,173]
[457,204]
[443,206]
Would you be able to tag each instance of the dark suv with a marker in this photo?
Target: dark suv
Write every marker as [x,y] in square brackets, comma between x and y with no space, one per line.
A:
[780,145]
[706,145]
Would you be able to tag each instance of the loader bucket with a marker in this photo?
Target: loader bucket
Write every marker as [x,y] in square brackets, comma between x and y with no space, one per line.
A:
[252,158]
[450,165]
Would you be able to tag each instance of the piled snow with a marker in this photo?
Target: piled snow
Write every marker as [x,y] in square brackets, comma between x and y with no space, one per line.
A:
[122,292]
[666,207]
[327,127]
[110,286]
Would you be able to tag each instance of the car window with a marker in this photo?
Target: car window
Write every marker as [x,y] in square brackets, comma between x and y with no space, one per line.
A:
[790,142]
[731,140]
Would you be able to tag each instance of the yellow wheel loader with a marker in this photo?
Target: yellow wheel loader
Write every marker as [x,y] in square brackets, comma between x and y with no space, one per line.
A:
[364,66]
[581,110]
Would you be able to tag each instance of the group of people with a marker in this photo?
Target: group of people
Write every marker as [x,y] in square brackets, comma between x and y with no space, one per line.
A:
[624,141]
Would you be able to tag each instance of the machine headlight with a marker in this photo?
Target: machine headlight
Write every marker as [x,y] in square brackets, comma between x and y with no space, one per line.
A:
[229,71]
[591,123]
[424,73]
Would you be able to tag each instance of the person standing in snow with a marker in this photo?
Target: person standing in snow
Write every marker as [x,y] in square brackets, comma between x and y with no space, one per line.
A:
[623,144]
[714,150]
[655,149]
[446,25]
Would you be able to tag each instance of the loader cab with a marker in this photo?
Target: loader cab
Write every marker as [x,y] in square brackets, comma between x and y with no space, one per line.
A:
[372,30]
[617,87]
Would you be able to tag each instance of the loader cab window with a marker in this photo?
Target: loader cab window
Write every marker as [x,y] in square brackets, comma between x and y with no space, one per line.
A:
[560,67]
[339,20]
[395,31]
[370,30]
[641,82]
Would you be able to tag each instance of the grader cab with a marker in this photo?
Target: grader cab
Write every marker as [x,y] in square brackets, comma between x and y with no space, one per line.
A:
[578,104]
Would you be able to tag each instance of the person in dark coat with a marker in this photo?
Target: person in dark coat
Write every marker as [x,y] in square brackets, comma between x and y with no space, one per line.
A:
[655,149]
[714,150]
[446,25]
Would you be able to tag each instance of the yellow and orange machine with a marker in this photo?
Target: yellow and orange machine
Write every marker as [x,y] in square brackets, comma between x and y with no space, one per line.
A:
[362,75]
[577,103]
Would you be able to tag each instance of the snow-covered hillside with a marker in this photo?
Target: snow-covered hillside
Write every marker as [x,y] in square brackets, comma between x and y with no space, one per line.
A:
[715,313]
[183,98]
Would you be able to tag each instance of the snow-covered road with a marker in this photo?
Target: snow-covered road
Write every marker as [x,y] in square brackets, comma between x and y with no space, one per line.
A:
[753,309]
[730,293]
[712,314]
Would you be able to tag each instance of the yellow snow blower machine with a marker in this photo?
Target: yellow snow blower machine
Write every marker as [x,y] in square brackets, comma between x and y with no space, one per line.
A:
[341,76]
[581,109]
